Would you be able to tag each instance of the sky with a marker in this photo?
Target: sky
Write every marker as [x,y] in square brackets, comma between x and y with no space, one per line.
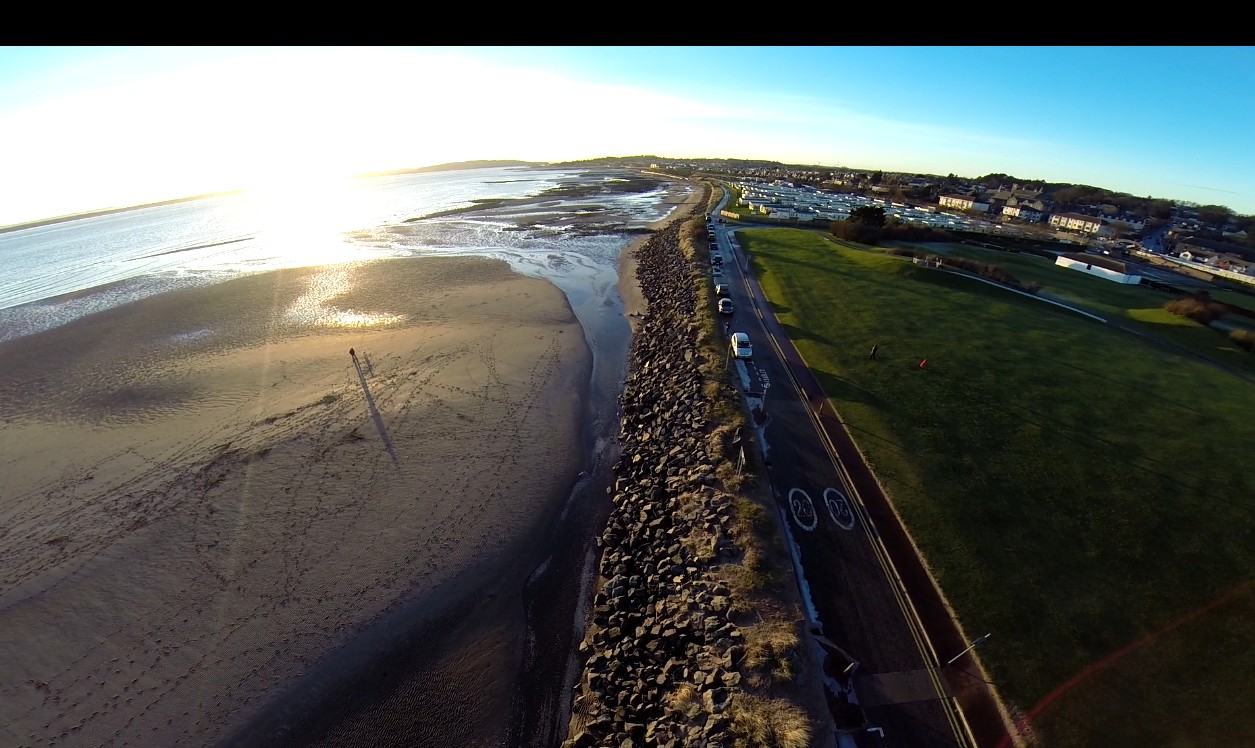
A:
[88,128]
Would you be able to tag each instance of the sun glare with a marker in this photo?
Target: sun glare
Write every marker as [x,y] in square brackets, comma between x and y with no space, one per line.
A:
[302,192]
[304,213]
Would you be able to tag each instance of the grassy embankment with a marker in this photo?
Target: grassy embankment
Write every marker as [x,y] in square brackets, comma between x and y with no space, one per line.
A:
[1075,489]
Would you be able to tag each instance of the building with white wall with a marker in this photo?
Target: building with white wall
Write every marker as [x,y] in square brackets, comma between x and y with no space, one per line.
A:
[1103,267]
[962,202]
[1076,222]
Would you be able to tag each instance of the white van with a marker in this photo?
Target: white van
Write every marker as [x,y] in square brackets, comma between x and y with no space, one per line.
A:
[741,347]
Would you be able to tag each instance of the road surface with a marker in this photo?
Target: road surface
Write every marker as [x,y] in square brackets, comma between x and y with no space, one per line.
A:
[867,602]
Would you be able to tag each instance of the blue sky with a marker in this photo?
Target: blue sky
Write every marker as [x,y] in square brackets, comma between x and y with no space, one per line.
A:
[83,128]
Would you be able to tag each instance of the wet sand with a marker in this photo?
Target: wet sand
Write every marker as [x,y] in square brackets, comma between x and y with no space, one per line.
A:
[206,538]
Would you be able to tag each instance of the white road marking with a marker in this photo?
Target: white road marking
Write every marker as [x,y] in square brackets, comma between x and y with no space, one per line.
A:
[803,509]
[839,508]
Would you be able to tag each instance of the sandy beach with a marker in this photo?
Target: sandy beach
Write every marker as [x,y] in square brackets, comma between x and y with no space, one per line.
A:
[205,500]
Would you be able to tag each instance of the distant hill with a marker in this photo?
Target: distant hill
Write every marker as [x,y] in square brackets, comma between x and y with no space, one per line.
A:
[452,166]
[690,163]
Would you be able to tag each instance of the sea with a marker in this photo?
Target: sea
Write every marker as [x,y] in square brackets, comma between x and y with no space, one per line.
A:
[58,272]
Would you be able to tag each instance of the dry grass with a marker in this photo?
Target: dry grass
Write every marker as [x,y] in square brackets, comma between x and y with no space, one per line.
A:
[700,544]
[732,481]
[685,699]
[771,649]
[751,574]
[719,441]
[692,238]
[768,723]
[712,389]
[747,576]
[750,518]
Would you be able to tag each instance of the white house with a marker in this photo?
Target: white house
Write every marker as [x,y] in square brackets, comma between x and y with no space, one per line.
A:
[962,202]
[1022,213]
[1127,221]
[1076,222]
[1198,255]
[1103,267]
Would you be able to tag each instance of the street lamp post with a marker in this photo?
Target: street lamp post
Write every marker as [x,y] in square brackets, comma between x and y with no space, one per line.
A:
[970,647]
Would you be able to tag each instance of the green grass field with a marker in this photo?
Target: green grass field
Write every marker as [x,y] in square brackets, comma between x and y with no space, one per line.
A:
[1075,488]
[1139,307]
[1236,298]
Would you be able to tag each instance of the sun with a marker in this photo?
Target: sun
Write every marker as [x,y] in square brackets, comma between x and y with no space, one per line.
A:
[304,203]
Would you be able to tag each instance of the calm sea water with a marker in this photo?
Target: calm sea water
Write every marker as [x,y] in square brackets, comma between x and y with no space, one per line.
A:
[53,274]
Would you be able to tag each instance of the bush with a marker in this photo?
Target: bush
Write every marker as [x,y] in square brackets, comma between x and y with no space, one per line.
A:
[1244,339]
[1202,311]
[856,232]
[911,233]
[862,233]
[992,272]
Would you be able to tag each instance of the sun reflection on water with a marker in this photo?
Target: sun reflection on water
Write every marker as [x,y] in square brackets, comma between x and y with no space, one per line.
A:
[312,309]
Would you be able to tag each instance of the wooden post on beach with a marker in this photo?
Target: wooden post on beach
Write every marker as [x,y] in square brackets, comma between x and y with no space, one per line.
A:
[374,412]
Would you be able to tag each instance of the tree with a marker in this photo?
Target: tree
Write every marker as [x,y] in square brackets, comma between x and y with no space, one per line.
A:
[1214,214]
[868,215]
[856,232]
[1161,209]
[878,177]
[1122,230]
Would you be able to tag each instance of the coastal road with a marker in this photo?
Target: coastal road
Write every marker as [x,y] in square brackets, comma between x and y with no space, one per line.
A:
[848,545]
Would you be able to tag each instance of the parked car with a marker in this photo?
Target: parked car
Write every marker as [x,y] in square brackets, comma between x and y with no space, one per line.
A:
[741,347]
[725,306]
[721,290]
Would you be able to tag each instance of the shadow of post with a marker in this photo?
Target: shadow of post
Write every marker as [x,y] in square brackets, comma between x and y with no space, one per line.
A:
[374,412]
